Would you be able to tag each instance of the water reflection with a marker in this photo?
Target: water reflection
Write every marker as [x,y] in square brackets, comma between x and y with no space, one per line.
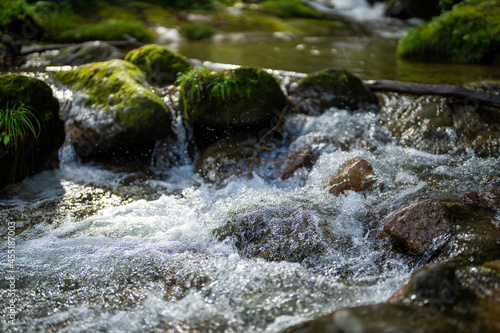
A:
[367,57]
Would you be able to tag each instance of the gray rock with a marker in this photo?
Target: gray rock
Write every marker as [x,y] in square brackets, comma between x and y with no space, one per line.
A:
[85,53]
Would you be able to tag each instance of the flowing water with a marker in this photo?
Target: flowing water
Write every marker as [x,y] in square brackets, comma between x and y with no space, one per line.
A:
[113,250]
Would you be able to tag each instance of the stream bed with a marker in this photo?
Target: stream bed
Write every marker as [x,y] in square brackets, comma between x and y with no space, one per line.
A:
[134,249]
[145,247]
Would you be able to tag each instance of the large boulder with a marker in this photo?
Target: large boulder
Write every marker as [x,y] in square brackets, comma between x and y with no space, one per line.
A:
[328,88]
[379,318]
[242,97]
[469,33]
[84,53]
[416,226]
[438,126]
[114,110]
[160,64]
[280,232]
[22,152]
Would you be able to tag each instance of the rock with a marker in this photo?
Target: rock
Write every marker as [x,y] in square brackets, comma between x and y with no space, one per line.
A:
[466,294]
[379,318]
[331,88]
[9,48]
[84,53]
[279,232]
[434,125]
[115,112]
[416,226]
[226,158]
[424,9]
[160,64]
[355,175]
[301,159]
[32,154]
[242,97]
[486,198]
[465,34]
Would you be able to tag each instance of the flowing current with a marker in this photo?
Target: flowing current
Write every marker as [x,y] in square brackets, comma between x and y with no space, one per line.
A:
[106,249]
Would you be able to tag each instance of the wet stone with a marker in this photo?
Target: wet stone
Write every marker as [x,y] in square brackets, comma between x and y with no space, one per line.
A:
[416,226]
[355,175]
[278,233]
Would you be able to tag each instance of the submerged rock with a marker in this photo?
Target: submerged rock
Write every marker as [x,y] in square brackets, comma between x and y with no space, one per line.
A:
[379,318]
[160,64]
[331,88]
[226,158]
[468,33]
[22,152]
[84,53]
[120,113]
[305,158]
[416,226]
[278,233]
[242,97]
[355,175]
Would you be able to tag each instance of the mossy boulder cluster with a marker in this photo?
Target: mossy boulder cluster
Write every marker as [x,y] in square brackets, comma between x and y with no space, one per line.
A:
[242,97]
[469,33]
[114,109]
[322,90]
[30,154]
[160,64]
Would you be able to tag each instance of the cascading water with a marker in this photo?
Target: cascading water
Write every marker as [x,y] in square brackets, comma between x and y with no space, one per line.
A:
[354,9]
[115,251]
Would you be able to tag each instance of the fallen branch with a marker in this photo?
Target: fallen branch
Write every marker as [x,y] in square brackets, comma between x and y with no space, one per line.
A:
[128,41]
[434,89]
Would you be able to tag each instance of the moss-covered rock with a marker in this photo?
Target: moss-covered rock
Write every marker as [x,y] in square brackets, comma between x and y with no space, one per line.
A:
[84,53]
[160,64]
[240,97]
[469,33]
[114,110]
[32,155]
[328,88]
[435,125]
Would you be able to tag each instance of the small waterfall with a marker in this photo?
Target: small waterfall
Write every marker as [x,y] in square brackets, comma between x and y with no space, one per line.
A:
[354,9]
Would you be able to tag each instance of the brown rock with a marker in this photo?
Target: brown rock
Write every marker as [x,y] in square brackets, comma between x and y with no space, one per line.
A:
[302,159]
[355,175]
[485,198]
[416,226]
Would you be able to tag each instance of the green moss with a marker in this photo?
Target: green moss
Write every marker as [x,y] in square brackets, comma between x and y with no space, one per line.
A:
[241,97]
[31,155]
[470,33]
[160,64]
[117,87]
